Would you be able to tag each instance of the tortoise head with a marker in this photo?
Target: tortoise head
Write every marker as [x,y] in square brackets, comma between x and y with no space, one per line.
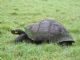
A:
[17,31]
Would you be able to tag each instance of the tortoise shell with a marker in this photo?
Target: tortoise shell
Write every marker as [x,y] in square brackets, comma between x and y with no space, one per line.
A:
[48,30]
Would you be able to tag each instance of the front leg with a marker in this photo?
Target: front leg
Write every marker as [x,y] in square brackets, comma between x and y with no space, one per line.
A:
[20,38]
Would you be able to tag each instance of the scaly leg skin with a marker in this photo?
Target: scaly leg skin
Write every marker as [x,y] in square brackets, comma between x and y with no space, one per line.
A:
[20,38]
[66,43]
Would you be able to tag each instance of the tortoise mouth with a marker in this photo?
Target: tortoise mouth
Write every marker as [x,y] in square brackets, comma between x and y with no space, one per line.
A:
[14,32]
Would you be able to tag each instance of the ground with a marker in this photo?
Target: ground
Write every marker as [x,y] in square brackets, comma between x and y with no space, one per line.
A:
[18,13]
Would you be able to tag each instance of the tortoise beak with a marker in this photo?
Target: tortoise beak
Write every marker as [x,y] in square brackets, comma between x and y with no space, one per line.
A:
[13,31]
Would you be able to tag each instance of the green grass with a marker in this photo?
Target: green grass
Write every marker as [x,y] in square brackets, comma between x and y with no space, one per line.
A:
[18,13]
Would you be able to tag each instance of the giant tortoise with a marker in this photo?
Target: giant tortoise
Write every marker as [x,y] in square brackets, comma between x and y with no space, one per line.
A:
[47,30]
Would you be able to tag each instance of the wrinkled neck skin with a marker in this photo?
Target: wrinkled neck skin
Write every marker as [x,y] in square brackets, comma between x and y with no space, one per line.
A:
[22,32]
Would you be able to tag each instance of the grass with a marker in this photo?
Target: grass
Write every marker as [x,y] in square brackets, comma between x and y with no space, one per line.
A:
[18,13]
